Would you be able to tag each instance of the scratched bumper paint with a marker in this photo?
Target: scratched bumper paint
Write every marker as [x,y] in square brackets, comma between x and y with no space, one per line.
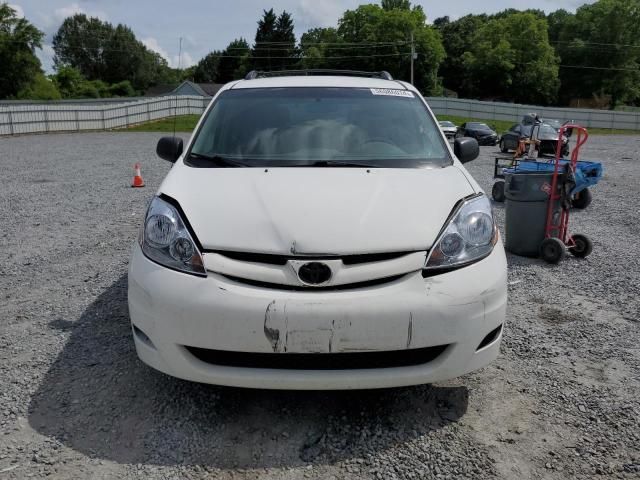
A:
[458,309]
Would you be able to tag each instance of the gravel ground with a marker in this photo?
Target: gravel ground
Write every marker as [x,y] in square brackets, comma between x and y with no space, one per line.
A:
[562,401]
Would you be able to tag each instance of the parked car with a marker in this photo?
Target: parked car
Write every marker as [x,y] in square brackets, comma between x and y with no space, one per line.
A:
[482,132]
[547,135]
[448,128]
[556,124]
[299,242]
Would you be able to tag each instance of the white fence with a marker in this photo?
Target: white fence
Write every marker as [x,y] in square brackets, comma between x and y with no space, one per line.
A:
[513,112]
[64,117]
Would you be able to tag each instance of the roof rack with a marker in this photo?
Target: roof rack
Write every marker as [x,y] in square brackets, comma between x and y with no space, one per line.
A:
[317,71]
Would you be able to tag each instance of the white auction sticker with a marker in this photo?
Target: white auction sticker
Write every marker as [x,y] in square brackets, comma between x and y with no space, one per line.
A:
[392,92]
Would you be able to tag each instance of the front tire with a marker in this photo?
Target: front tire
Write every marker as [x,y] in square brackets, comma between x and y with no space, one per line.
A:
[497,192]
[503,147]
[552,250]
[583,246]
[582,199]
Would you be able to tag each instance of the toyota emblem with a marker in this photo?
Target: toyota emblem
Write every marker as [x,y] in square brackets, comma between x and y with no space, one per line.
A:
[314,273]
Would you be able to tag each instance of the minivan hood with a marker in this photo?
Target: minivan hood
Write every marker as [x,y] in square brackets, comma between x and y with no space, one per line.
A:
[332,211]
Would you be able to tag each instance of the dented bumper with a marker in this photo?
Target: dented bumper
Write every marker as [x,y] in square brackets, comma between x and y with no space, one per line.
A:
[174,315]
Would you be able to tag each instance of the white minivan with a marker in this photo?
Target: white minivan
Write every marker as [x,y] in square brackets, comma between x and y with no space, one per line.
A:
[318,232]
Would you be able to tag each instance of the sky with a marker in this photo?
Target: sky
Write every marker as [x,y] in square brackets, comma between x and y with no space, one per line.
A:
[207,25]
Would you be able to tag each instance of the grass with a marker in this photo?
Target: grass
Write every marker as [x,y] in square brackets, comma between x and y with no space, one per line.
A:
[186,123]
[183,123]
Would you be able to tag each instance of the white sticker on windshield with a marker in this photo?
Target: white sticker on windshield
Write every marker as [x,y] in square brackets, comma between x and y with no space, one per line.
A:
[392,92]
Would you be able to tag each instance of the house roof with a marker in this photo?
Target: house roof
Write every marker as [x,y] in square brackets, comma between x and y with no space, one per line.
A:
[194,86]
[159,90]
[211,88]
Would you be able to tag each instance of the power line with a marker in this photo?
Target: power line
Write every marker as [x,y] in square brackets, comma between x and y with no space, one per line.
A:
[587,67]
[597,43]
[117,50]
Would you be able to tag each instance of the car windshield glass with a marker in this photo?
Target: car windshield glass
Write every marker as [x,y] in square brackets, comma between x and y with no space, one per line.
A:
[446,124]
[556,124]
[545,131]
[295,127]
[478,126]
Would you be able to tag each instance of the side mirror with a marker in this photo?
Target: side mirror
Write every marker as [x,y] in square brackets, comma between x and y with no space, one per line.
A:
[466,149]
[170,148]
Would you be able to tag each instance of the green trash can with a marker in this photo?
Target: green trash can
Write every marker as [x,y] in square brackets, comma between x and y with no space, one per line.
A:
[526,203]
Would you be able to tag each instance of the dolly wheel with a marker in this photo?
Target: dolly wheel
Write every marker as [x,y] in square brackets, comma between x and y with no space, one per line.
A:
[582,199]
[497,192]
[552,250]
[583,246]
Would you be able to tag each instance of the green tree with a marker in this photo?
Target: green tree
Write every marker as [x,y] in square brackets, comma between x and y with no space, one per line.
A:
[68,81]
[80,42]
[557,22]
[121,89]
[234,61]
[458,38]
[101,51]
[265,46]
[317,44]
[226,65]
[286,41]
[19,65]
[206,70]
[41,88]
[600,51]
[511,59]
[396,4]
[386,35]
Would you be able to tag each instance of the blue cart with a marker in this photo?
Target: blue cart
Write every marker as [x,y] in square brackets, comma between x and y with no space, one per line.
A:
[587,174]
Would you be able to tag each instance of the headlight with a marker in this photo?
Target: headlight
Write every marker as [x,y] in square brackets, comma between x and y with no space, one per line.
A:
[166,240]
[470,236]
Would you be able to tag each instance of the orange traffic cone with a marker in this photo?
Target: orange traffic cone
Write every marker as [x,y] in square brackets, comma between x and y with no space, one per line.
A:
[137,179]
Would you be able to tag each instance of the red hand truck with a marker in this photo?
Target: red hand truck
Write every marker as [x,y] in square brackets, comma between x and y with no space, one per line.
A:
[557,235]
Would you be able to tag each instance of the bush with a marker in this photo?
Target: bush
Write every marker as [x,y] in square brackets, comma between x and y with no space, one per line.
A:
[40,89]
[121,89]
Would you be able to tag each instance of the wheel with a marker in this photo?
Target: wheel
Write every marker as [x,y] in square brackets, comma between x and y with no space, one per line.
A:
[497,192]
[583,246]
[552,250]
[582,199]
[503,147]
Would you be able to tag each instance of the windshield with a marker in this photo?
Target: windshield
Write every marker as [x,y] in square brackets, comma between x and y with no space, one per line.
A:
[446,124]
[478,126]
[556,124]
[545,130]
[318,127]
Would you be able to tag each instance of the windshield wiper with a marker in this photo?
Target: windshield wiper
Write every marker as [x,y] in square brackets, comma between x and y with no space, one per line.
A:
[218,160]
[339,163]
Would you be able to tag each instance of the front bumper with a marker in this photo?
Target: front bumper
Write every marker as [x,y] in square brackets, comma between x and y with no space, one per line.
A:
[174,314]
[491,140]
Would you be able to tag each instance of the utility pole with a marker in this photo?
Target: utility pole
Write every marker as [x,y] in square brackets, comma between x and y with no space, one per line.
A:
[413,56]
